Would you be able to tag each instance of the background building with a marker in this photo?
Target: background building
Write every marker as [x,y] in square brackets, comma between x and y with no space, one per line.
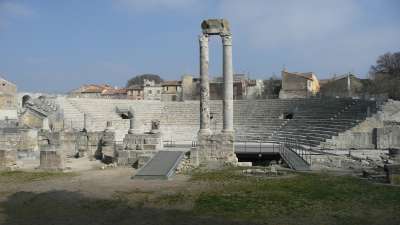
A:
[347,85]
[298,85]
[172,91]
[8,100]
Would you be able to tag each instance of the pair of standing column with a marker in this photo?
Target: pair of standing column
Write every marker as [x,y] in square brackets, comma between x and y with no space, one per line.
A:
[205,89]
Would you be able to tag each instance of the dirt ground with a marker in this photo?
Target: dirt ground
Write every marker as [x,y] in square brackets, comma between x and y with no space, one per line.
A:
[88,194]
[91,179]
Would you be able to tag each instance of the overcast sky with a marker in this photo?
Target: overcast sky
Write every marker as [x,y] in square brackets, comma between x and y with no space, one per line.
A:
[52,45]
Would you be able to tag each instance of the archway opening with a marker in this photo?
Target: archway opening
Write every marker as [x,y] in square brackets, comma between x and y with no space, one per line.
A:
[288,116]
[25,99]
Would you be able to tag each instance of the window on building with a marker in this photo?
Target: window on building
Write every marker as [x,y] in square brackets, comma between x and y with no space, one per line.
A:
[158,91]
[149,92]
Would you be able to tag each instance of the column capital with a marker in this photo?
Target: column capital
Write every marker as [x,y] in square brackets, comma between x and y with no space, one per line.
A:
[226,39]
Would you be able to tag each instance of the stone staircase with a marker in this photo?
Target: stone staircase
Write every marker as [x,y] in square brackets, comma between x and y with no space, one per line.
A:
[73,117]
[98,113]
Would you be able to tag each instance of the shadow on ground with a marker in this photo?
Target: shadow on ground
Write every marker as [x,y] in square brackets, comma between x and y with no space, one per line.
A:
[63,208]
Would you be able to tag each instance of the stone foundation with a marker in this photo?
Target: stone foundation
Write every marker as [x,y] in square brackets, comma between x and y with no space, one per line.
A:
[388,137]
[131,157]
[107,147]
[147,141]
[216,147]
[138,148]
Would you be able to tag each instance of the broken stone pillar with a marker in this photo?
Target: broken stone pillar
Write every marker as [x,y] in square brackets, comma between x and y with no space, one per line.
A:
[84,122]
[132,129]
[51,159]
[107,145]
[228,84]
[46,125]
[68,143]
[8,159]
[82,144]
[204,88]
[393,173]
[395,154]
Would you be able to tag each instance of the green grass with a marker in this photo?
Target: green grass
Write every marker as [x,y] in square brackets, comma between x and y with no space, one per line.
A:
[22,177]
[300,199]
[296,198]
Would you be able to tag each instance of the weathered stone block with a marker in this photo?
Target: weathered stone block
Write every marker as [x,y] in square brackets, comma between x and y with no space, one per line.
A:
[388,137]
[146,141]
[8,158]
[218,147]
[393,173]
[215,26]
[51,160]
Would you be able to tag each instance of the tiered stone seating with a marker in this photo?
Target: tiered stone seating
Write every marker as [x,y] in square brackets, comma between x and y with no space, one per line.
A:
[314,120]
[73,118]
[257,120]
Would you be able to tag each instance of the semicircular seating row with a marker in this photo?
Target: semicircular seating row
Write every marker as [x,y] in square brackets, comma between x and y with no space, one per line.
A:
[312,120]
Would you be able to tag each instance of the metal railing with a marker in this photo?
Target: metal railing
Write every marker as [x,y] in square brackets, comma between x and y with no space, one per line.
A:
[300,150]
[260,147]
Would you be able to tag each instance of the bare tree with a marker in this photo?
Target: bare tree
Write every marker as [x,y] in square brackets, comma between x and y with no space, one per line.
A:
[387,65]
[385,75]
[139,79]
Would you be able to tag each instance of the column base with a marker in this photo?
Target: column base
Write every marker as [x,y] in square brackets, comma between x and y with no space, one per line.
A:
[228,132]
[133,131]
[204,132]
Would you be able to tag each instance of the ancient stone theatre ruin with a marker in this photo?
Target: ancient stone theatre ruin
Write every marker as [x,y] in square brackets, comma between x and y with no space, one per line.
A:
[221,143]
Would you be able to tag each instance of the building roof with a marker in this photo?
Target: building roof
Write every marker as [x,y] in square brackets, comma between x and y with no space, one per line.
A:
[343,76]
[135,87]
[113,91]
[172,83]
[307,75]
[92,88]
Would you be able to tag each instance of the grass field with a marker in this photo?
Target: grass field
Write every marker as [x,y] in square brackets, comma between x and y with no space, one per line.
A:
[21,176]
[303,199]
[218,197]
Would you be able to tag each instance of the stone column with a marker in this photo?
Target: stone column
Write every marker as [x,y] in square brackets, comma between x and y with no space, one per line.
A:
[84,122]
[131,125]
[131,121]
[228,84]
[204,87]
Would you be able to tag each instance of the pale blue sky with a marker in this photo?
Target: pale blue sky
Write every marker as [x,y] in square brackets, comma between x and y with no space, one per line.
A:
[50,45]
